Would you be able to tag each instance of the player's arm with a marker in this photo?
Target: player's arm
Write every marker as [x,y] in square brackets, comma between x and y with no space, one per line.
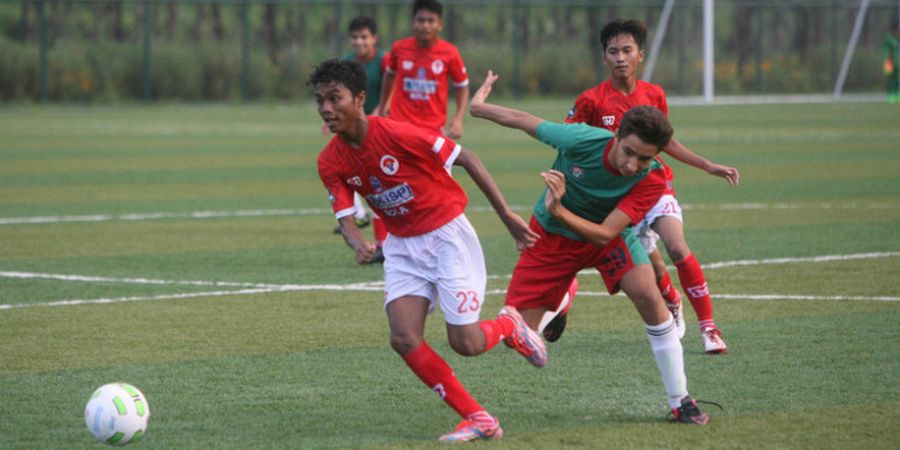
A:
[508,117]
[387,88]
[683,154]
[517,227]
[598,234]
[364,250]
[455,126]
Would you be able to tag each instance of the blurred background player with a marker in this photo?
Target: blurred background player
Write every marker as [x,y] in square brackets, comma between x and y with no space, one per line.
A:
[891,53]
[419,73]
[432,254]
[364,41]
[603,106]
[612,181]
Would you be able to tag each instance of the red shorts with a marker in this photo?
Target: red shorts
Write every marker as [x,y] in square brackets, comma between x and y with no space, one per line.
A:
[544,272]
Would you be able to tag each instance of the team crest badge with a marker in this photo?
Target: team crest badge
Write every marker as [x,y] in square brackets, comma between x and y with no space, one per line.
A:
[389,164]
[331,198]
[608,121]
[437,66]
[577,172]
[571,113]
[407,65]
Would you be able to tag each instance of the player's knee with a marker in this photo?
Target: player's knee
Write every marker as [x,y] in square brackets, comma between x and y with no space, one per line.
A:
[466,346]
[678,251]
[405,343]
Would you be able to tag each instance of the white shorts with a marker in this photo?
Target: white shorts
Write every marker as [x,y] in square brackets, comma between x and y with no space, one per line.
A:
[666,206]
[446,263]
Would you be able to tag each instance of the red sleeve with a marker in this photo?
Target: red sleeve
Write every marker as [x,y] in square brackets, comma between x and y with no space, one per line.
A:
[583,111]
[385,60]
[643,196]
[390,63]
[339,194]
[458,74]
[661,103]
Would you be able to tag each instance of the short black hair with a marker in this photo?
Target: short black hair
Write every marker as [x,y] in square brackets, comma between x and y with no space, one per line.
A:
[363,23]
[649,124]
[428,5]
[349,73]
[635,28]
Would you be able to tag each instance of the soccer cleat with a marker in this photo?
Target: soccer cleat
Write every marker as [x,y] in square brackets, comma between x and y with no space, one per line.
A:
[524,340]
[468,430]
[689,413]
[712,341]
[554,329]
[677,310]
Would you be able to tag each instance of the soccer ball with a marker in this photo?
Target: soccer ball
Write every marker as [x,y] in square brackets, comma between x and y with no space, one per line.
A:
[117,414]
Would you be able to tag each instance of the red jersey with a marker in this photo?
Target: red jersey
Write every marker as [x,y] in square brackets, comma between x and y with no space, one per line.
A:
[403,172]
[603,106]
[422,79]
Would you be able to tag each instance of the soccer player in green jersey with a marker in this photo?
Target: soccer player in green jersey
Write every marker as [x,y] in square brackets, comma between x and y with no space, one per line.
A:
[599,185]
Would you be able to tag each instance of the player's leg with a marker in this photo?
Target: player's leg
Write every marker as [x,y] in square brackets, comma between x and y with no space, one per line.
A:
[648,239]
[693,280]
[410,295]
[406,317]
[461,279]
[623,264]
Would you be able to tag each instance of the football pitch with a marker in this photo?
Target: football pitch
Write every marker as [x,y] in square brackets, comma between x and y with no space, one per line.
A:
[188,250]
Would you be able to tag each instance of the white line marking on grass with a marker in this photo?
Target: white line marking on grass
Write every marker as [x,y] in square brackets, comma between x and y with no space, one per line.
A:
[374,286]
[204,215]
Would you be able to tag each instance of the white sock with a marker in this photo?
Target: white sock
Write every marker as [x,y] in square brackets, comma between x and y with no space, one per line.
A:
[670,359]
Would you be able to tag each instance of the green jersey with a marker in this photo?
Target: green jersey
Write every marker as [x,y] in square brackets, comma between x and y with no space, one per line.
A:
[593,188]
[374,73]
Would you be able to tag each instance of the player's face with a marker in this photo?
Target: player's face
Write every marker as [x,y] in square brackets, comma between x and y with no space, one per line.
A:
[622,56]
[631,155]
[426,26]
[337,106]
[363,43]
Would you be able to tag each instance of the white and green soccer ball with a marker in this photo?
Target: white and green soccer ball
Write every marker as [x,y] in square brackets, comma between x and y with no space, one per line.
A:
[117,414]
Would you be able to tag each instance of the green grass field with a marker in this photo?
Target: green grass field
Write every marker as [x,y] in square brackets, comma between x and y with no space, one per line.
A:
[188,250]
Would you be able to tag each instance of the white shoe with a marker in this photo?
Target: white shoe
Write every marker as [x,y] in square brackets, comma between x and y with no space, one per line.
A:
[712,341]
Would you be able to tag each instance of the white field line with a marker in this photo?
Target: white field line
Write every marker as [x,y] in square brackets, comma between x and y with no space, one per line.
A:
[203,215]
[374,286]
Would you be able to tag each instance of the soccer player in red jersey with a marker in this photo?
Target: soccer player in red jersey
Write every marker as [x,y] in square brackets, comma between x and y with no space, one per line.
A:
[432,254]
[603,106]
[600,184]
[419,73]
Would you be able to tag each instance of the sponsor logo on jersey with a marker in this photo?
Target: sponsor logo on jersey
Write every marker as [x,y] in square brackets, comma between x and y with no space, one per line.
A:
[608,121]
[376,183]
[407,65]
[392,198]
[356,181]
[389,164]
[577,172]
[571,113]
[420,87]
[437,66]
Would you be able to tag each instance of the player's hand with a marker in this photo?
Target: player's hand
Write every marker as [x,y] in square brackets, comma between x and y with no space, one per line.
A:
[730,174]
[483,92]
[556,189]
[454,129]
[520,231]
[365,252]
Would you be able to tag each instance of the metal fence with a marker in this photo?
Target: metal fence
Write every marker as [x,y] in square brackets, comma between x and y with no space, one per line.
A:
[251,49]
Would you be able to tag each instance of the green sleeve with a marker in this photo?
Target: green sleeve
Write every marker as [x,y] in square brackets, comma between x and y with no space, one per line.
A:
[572,138]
